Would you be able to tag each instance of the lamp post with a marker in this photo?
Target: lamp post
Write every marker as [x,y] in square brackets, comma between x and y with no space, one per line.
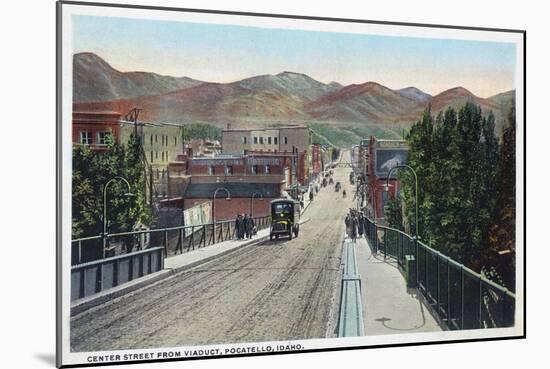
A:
[386,188]
[214,201]
[252,202]
[127,194]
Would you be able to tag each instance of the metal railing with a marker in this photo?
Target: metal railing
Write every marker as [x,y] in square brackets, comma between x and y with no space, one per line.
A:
[174,240]
[99,275]
[462,298]
[350,323]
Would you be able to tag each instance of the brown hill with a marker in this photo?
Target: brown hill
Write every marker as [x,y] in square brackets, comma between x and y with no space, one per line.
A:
[263,100]
[369,101]
[95,80]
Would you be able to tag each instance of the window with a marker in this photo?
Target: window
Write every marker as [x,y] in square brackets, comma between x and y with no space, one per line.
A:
[255,140]
[228,170]
[163,156]
[156,138]
[151,140]
[286,140]
[85,138]
[102,138]
[158,174]
[244,140]
[269,140]
[211,170]
[156,154]
[275,140]
[175,140]
[261,140]
[163,173]
[268,169]
[151,154]
[254,169]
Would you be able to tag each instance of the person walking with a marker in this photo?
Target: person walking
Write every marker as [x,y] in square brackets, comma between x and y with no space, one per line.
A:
[353,228]
[250,226]
[360,225]
[246,229]
[347,221]
[239,227]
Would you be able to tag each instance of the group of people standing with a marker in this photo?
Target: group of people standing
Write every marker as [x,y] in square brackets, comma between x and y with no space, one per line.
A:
[355,224]
[245,226]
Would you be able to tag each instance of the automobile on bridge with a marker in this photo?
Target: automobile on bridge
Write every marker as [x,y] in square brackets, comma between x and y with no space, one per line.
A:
[285,218]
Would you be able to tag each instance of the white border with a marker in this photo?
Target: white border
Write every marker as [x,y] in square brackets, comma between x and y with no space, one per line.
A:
[264,22]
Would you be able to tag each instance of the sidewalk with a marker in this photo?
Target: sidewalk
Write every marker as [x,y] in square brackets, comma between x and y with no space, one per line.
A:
[388,306]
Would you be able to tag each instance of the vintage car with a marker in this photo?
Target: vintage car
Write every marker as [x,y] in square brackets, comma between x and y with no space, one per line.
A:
[285,218]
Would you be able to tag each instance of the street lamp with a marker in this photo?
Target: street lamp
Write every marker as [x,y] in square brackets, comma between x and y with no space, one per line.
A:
[386,188]
[252,202]
[214,201]
[127,194]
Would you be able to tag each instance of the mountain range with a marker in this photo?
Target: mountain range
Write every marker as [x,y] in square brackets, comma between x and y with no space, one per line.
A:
[263,100]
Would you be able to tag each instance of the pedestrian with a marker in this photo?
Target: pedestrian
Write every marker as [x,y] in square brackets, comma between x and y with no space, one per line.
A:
[246,229]
[347,221]
[239,227]
[310,196]
[353,228]
[360,225]
[250,226]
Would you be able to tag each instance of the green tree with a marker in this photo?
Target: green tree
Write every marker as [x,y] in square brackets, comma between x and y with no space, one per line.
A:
[201,131]
[455,157]
[498,258]
[393,214]
[91,171]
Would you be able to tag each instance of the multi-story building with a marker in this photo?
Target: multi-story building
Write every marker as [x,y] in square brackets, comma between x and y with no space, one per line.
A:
[161,142]
[383,155]
[294,140]
[239,141]
[252,181]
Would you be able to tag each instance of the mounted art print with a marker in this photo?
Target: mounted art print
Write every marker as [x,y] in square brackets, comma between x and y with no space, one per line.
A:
[243,184]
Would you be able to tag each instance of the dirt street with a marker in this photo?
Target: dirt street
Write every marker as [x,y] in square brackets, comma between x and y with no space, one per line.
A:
[276,290]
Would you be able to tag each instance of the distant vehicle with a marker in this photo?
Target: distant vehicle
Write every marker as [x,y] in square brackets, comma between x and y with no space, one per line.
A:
[337,186]
[285,218]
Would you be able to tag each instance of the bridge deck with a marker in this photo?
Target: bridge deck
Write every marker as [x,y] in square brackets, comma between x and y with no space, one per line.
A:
[388,306]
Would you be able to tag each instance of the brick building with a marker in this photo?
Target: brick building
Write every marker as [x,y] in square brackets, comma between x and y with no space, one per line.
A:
[382,156]
[161,142]
[252,180]
[293,141]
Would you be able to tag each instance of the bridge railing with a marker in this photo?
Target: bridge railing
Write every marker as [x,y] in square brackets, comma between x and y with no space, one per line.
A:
[174,240]
[462,298]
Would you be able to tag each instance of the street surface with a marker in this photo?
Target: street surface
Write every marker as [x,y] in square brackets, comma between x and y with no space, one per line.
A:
[275,290]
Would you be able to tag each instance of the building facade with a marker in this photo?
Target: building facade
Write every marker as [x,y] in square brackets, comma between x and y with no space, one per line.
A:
[383,155]
[161,142]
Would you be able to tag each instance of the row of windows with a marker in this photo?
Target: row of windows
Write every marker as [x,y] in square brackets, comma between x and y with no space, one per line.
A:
[164,140]
[267,140]
[86,138]
[164,156]
[228,170]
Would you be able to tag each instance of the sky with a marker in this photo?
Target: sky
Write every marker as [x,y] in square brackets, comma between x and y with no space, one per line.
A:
[226,53]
